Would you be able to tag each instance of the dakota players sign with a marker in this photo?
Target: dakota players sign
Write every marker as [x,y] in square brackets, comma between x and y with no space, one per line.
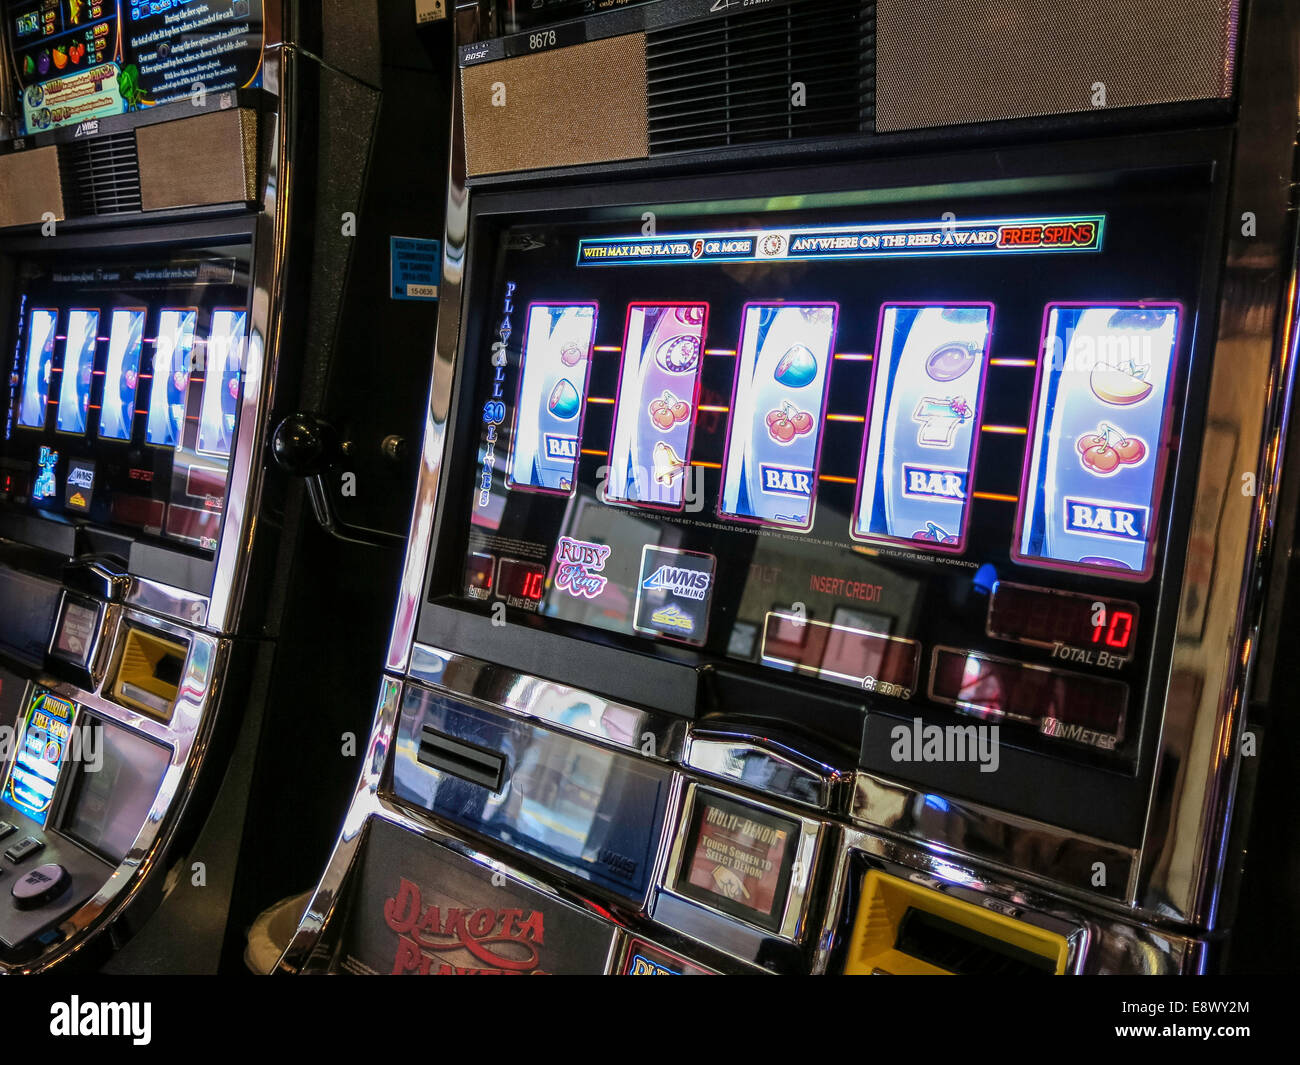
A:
[423,910]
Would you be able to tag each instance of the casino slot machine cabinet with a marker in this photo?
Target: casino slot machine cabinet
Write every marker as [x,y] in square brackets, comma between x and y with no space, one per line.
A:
[850,491]
[194,220]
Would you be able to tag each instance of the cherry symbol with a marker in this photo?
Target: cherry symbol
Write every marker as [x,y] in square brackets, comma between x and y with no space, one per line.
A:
[668,410]
[787,422]
[1101,457]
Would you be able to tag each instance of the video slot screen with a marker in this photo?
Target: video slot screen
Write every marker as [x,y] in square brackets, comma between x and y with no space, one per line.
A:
[107,808]
[43,741]
[42,324]
[812,442]
[927,392]
[140,364]
[122,374]
[1102,413]
[170,379]
[77,371]
[223,367]
[79,60]
[552,396]
[778,410]
[654,416]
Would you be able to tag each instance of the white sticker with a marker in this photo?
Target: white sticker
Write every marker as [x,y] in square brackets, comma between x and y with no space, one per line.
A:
[429,11]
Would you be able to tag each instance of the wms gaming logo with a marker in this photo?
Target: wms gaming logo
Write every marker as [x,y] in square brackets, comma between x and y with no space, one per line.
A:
[683,583]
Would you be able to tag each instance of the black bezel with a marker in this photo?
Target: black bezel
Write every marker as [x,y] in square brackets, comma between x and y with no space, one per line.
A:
[1067,786]
[167,562]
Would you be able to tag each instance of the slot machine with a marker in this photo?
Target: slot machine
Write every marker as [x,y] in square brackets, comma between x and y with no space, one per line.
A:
[190,229]
[849,501]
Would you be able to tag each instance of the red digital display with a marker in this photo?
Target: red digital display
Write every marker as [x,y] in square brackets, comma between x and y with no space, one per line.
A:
[1044,617]
[520,580]
[1061,704]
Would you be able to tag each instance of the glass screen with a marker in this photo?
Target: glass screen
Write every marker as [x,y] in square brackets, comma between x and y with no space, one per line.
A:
[112,795]
[80,60]
[814,441]
[127,378]
[45,734]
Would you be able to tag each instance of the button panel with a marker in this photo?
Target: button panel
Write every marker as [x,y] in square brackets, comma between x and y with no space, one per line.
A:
[24,848]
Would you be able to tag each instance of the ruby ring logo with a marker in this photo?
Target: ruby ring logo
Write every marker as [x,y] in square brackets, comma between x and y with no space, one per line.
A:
[578,567]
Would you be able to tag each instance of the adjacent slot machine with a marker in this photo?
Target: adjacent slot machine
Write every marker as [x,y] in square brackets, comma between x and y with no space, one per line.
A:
[831,552]
[167,298]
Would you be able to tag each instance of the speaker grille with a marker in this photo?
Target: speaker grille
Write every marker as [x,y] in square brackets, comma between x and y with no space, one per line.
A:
[948,62]
[101,175]
[731,80]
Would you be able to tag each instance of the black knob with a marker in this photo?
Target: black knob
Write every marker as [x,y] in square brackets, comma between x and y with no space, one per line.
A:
[303,445]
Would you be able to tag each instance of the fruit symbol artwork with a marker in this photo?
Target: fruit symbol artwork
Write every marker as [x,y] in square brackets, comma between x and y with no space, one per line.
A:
[564,401]
[950,361]
[936,534]
[668,410]
[1109,448]
[1120,386]
[571,354]
[797,367]
[787,422]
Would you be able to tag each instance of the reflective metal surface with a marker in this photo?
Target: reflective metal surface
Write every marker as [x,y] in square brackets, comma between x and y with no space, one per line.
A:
[954,826]
[655,736]
[1182,860]
[596,812]
[455,241]
[265,337]
[767,766]
[171,602]
[186,735]
[1099,944]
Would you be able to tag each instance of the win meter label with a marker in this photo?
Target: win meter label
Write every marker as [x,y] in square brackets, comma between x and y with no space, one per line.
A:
[673,594]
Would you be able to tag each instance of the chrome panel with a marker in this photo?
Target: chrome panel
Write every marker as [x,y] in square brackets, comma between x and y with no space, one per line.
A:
[96,658]
[158,598]
[1099,944]
[265,336]
[1031,848]
[630,728]
[1183,850]
[599,814]
[365,804]
[455,239]
[309,949]
[766,766]
[187,735]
